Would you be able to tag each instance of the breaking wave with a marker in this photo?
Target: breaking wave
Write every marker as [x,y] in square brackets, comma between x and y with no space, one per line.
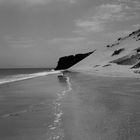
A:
[20,77]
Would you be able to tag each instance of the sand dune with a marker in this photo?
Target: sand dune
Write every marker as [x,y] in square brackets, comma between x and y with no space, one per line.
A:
[121,58]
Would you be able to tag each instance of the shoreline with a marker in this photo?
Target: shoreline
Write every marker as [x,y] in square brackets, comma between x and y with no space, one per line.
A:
[74,106]
[22,77]
[111,74]
[101,108]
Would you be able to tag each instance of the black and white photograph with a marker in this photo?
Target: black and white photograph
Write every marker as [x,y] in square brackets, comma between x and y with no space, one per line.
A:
[69,69]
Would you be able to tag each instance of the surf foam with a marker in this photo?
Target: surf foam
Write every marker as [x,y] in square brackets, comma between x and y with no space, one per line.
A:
[21,77]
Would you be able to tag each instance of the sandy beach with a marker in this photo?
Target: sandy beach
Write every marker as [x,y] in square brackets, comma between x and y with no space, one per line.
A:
[69,69]
[27,109]
[71,107]
[103,108]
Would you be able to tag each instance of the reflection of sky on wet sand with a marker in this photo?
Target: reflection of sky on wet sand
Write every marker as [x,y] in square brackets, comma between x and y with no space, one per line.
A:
[110,106]
[119,115]
[62,80]
[56,130]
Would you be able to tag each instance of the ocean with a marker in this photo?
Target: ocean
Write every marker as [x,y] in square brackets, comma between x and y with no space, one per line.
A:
[51,105]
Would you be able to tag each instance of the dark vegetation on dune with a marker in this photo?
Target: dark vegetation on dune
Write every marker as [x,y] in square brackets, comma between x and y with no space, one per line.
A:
[135,32]
[138,35]
[137,71]
[108,46]
[116,52]
[107,65]
[68,61]
[138,50]
[135,35]
[127,60]
[136,66]
[114,44]
[96,66]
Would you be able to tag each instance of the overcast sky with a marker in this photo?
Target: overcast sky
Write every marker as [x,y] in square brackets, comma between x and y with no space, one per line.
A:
[35,33]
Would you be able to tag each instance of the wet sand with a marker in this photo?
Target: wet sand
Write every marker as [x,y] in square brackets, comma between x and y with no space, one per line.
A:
[71,107]
[27,108]
[102,108]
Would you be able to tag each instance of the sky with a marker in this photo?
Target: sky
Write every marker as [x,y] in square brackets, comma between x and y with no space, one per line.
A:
[35,33]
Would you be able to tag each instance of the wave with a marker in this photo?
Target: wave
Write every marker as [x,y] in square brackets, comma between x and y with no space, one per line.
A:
[21,77]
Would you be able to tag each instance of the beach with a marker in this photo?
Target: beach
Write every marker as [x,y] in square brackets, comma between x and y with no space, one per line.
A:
[27,108]
[73,106]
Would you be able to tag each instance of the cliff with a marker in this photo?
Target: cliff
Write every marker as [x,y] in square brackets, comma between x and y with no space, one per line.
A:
[68,61]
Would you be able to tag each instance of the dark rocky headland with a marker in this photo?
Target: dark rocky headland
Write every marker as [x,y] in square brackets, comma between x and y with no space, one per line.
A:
[68,61]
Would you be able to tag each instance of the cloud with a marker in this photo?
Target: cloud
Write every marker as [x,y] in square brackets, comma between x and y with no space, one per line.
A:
[123,32]
[133,4]
[19,42]
[90,25]
[104,15]
[129,1]
[69,44]
[33,2]
[66,40]
[136,26]
[69,1]
[118,34]
[28,2]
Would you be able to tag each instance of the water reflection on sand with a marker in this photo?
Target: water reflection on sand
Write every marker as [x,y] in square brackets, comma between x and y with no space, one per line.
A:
[106,108]
[72,106]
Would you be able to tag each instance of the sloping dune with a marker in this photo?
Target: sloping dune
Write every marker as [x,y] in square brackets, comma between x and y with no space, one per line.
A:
[121,58]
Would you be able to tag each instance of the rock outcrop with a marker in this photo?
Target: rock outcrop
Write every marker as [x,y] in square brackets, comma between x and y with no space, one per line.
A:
[68,61]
